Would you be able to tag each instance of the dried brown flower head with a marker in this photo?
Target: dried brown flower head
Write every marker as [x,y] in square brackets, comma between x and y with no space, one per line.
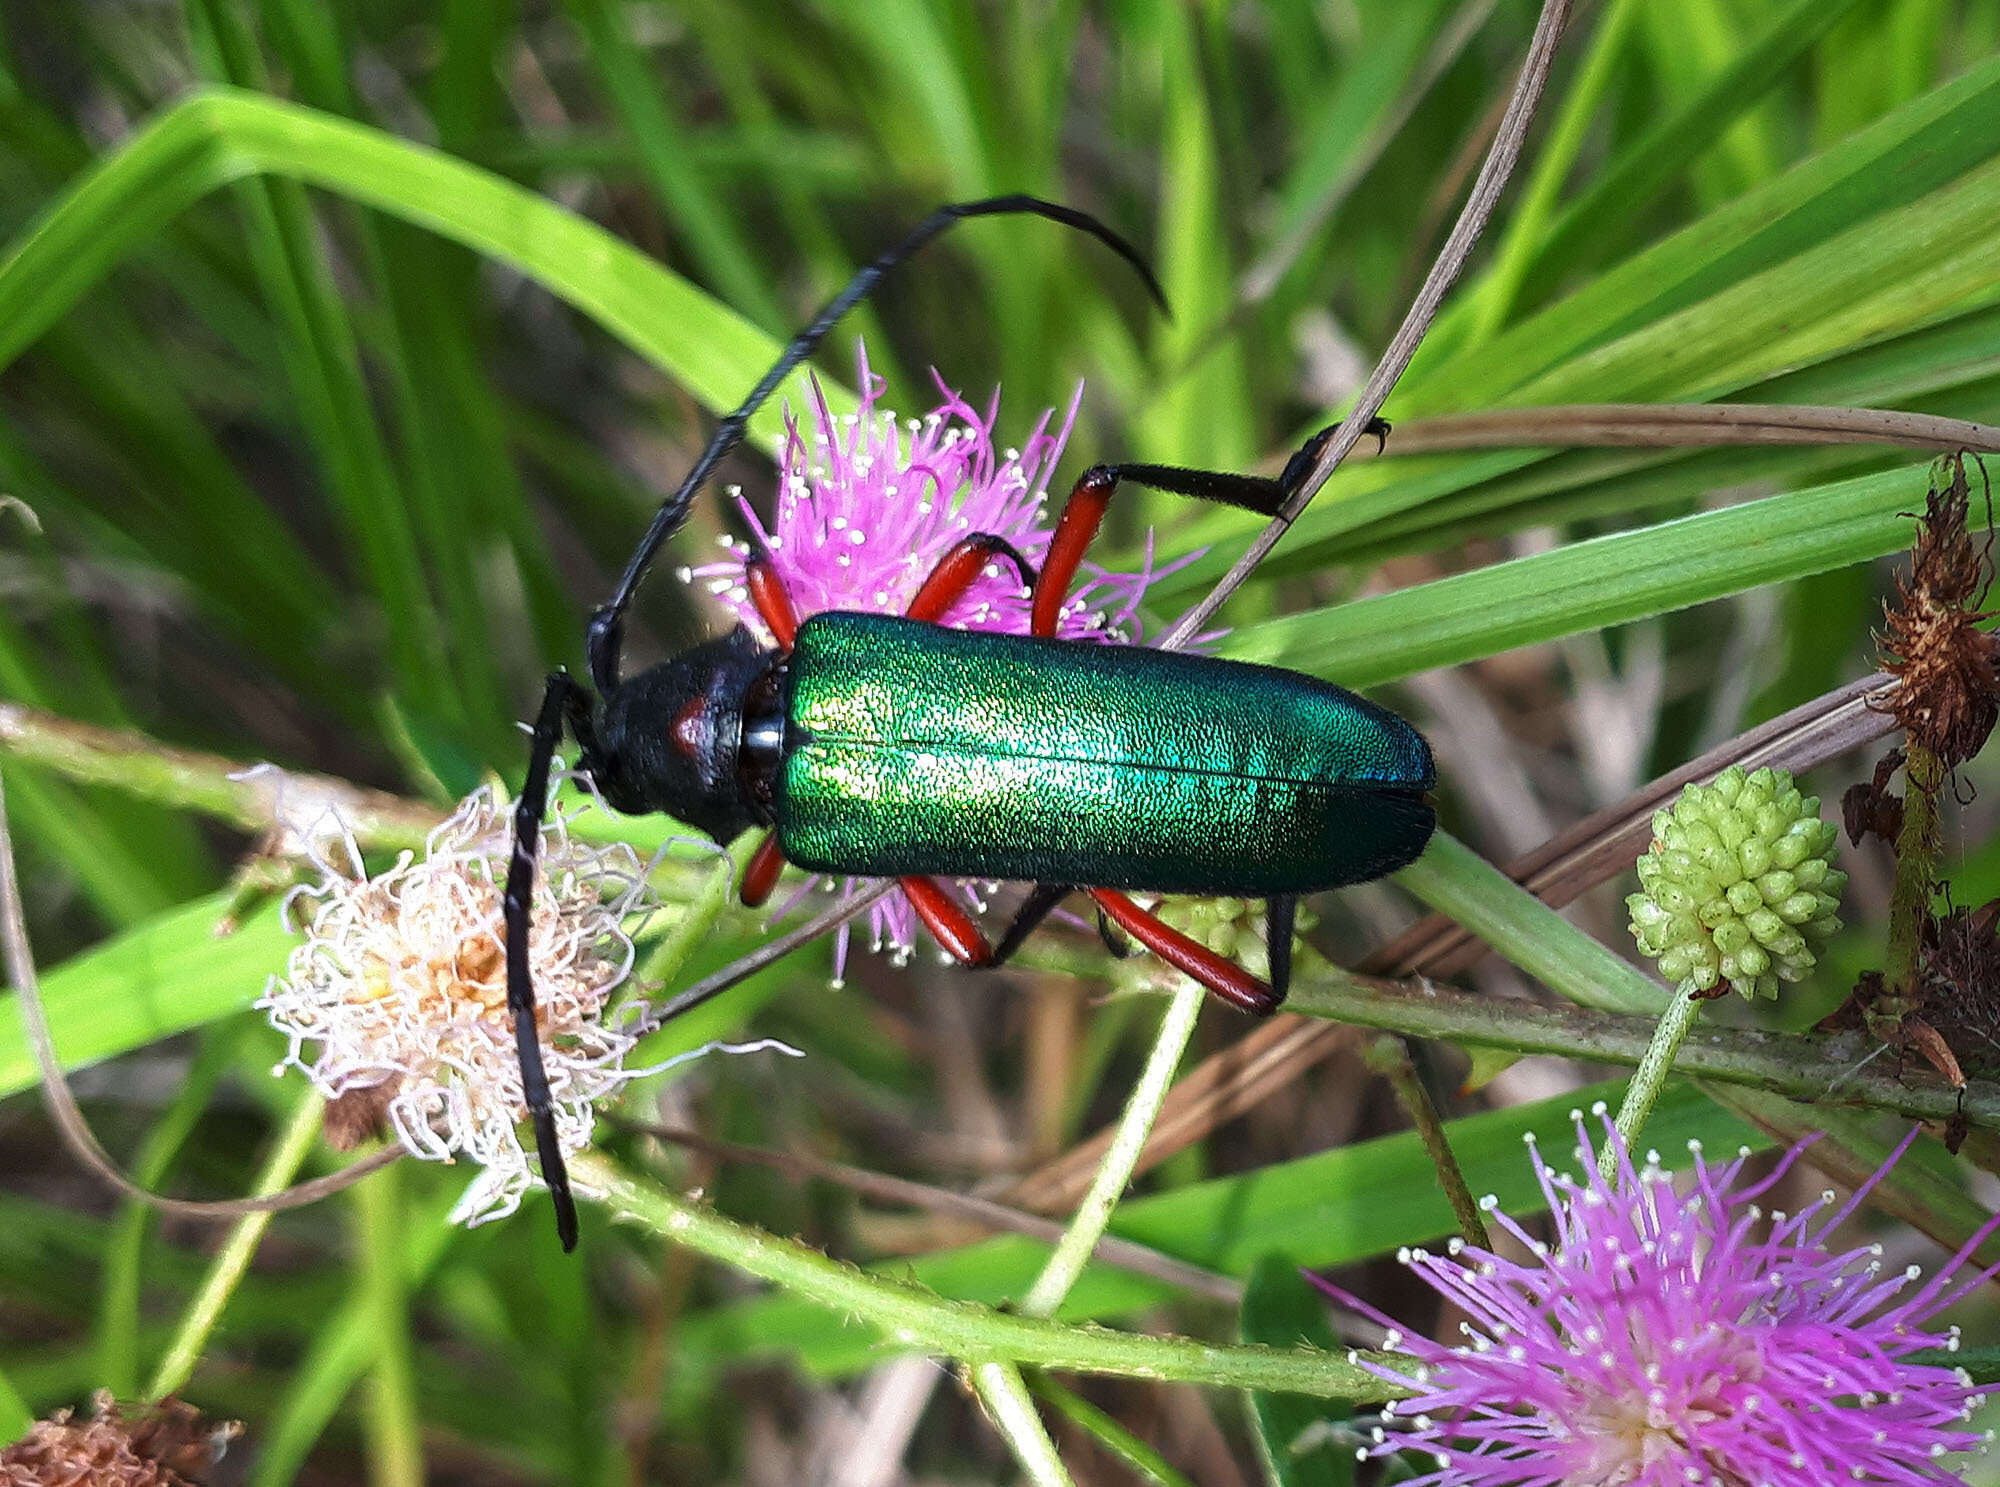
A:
[1949,699]
[165,1445]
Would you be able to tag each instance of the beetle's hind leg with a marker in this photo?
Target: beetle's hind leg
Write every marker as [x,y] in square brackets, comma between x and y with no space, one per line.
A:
[1281,917]
[1218,973]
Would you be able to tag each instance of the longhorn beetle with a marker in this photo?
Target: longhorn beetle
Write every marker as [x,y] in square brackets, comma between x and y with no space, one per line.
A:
[892,747]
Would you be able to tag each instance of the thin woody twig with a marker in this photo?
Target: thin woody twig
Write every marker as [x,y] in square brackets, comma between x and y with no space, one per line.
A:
[1451,260]
[1686,425]
[70,1123]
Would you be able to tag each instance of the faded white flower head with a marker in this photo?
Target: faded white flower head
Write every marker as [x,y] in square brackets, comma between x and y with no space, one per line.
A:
[400,990]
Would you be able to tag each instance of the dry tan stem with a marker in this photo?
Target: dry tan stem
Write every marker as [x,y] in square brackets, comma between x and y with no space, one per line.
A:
[70,1124]
[1451,259]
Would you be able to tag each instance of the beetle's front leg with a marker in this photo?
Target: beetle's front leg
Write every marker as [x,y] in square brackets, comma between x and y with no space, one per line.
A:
[773,601]
[760,874]
[1084,512]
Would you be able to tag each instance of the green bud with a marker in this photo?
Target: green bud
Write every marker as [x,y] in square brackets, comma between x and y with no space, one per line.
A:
[1739,884]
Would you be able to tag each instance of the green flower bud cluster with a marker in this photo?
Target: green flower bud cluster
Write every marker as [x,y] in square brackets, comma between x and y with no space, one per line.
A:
[1739,884]
[1235,928]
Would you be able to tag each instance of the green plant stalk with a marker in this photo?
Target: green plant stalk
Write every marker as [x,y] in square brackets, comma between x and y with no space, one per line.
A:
[340,1350]
[1456,881]
[1141,1459]
[1804,1067]
[183,779]
[16,1419]
[1390,1057]
[913,1319]
[118,1292]
[395,1438]
[1008,1405]
[1916,869]
[1114,1173]
[286,1157]
[1643,1092]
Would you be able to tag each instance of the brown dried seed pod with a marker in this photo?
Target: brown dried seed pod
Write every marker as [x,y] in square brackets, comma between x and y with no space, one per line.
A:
[1949,699]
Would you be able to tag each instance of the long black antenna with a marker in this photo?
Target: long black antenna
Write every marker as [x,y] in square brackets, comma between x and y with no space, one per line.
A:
[607,624]
[566,704]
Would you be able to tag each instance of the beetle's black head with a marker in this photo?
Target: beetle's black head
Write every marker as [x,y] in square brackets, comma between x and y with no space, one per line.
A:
[669,739]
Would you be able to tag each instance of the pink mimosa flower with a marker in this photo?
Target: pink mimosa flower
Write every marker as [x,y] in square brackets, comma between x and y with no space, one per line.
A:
[868,505]
[1672,1338]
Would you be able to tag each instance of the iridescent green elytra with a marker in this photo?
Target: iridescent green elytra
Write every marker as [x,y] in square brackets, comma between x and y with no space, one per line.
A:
[911,748]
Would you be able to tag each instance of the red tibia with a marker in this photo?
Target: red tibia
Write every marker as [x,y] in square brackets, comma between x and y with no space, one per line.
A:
[1225,978]
[773,601]
[761,876]
[956,572]
[1080,518]
[947,920]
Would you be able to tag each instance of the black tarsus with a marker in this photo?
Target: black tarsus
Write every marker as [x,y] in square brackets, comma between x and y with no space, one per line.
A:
[1282,913]
[1259,493]
[607,623]
[1041,899]
[564,701]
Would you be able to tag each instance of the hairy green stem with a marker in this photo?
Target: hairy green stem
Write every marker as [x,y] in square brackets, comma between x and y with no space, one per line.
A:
[913,1319]
[1815,1068]
[1390,1057]
[1074,1249]
[233,1259]
[1916,871]
[1644,1089]
[224,789]
[395,1439]
[1005,1395]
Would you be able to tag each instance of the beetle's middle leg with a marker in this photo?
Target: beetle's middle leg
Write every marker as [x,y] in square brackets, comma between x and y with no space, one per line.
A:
[959,569]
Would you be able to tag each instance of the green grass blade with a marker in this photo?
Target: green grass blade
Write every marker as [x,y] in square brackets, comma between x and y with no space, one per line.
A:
[219,136]
[1587,585]
[712,237]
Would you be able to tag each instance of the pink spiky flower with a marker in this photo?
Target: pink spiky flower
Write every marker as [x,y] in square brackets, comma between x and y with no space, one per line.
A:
[1670,1338]
[867,506]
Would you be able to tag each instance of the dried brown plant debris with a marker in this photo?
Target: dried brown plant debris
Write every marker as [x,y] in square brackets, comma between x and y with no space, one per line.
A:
[1949,697]
[1871,807]
[167,1444]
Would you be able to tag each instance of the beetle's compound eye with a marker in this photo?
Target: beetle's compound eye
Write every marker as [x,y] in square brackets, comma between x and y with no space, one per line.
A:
[690,730]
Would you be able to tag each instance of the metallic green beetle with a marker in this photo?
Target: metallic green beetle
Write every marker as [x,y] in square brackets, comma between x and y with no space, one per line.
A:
[893,747]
